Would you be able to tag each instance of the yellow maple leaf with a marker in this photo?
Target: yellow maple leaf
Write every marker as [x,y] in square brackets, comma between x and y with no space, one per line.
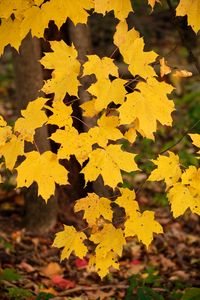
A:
[34,19]
[44,169]
[121,7]
[131,46]
[102,265]
[196,140]
[106,130]
[61,114]
[73,143]
[143,225]
[5,134]
[10,34]
[11,150]
[32,117]
[191,8]
[182,74]
[181,198]
[131,135]
[7,8]
[139,61]
[164,68]
[94,207]
[88,108]
[148,106]
[102,238]
[123,38]
[34,16]
[126,200]
[192,177]
[100,67]
[102,161]
[106,92]
[66,67]
[168,169]
[60,10]
[72,241]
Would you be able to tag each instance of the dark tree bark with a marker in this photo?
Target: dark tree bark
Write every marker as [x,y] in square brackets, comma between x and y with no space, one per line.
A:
[39,216]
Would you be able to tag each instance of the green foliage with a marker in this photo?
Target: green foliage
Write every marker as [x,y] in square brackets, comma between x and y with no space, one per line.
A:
[44,296]
[9,274]
[191,294]
[16,293]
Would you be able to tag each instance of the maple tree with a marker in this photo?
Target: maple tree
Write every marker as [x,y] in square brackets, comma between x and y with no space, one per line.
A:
[99,150]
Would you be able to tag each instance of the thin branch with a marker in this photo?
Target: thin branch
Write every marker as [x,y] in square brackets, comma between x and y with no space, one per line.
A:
[114,51]
[81,121]
[181,138]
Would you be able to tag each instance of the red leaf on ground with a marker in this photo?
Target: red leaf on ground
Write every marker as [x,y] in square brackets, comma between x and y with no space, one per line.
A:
[81,263]
[62,283]
[135,262]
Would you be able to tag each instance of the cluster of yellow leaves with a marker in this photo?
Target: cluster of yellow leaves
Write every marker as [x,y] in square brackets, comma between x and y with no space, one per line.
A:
[182,187]
[120,116]
[99,210]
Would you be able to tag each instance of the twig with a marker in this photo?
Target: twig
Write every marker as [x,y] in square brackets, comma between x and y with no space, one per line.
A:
[81,121]
[181,138]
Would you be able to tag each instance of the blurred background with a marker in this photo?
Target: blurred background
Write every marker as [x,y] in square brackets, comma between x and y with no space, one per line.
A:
[29,267]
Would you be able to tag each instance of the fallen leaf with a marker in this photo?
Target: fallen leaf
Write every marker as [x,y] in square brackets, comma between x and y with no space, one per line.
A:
[51,270]
[62,283]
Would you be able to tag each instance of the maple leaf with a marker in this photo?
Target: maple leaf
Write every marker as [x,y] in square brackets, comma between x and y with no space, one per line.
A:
[61,114]
[121,7]
[10,33]
[100,67]
[106,92]
[102,161]
[66,67]
[71,240]
[191,8]
[82,144]
[5,134]
[148,106]
[11,150]
[32,117]
[60,10]
[44,169]
[131,46]
[106,130]
[102,265]
[164,68]
[192,177]
[88,108]
[131,135]
[196,140]
[126,200]
[138,60]
[7,8]
[182,74]
[94,207]
[123,38]
[181,198]
[102,238]
[168,169]
[143,225]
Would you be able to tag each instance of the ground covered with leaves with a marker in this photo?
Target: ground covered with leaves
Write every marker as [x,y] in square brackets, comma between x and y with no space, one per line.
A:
[30,267]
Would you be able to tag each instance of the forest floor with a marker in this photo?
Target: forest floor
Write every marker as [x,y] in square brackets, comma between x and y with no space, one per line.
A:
[31,268]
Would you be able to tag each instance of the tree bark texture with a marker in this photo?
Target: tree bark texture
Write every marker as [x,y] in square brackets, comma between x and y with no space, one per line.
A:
[39,216]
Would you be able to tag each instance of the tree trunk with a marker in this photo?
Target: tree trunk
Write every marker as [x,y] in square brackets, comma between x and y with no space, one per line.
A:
[39,216]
